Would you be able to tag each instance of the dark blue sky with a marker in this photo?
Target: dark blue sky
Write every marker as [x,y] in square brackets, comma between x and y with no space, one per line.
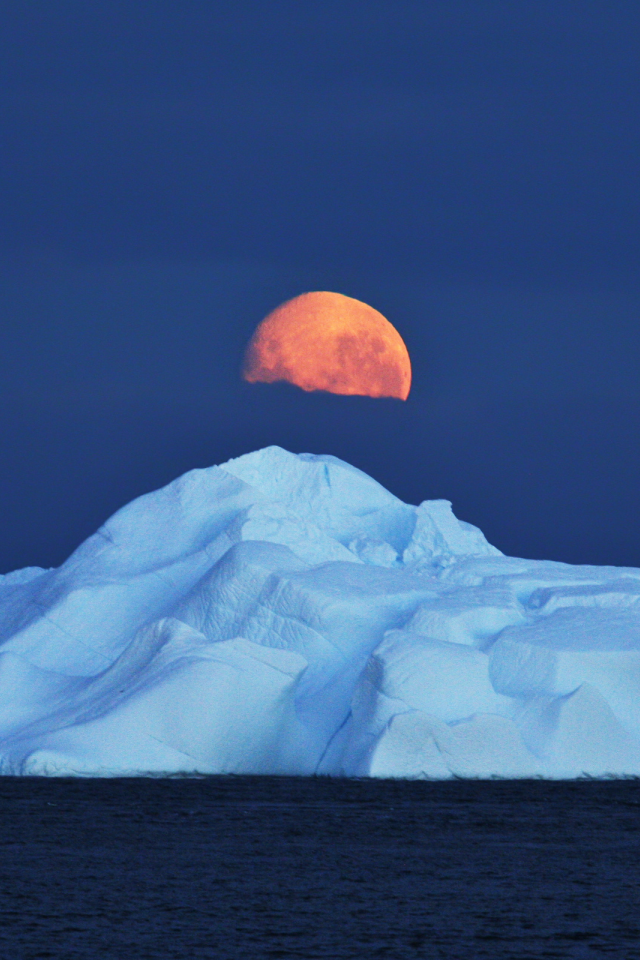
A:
[169,172]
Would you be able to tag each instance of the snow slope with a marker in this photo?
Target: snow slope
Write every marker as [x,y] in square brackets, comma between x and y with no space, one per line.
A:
[285,613]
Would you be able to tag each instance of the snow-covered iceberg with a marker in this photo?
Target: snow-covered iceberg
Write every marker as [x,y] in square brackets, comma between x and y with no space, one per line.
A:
[286,614]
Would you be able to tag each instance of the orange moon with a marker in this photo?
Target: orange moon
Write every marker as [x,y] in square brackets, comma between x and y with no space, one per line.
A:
[326,341]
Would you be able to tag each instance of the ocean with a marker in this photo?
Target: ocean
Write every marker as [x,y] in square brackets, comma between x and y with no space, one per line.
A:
[278,867]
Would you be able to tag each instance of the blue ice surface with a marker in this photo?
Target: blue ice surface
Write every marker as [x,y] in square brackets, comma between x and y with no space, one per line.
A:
[286,614]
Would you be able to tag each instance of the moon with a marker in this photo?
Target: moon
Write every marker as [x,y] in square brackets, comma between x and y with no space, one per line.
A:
[326,341]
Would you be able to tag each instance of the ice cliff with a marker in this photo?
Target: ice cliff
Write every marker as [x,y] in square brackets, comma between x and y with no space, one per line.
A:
[287,614]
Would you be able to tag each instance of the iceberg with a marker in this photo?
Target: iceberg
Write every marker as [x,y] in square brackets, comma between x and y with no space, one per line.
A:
[285,614]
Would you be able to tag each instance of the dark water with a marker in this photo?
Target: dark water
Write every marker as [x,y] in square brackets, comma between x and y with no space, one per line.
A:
[302,868]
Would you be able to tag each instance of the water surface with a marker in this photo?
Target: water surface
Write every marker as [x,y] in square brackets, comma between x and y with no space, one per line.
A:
[268,867]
